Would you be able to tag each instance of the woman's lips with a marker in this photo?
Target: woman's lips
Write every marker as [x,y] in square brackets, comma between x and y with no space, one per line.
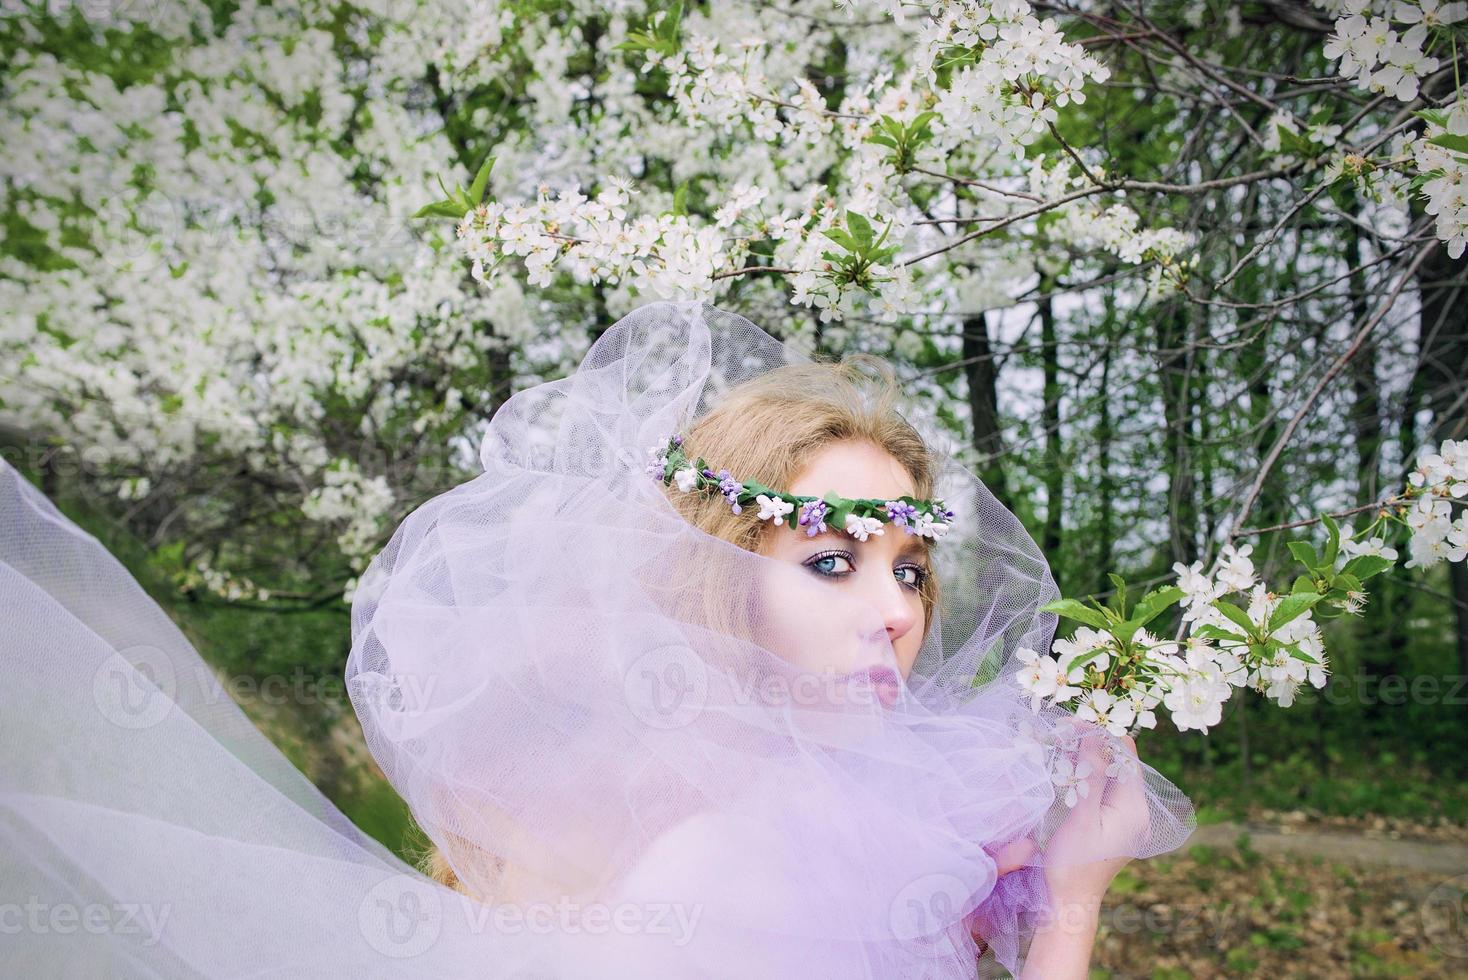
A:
[884,682]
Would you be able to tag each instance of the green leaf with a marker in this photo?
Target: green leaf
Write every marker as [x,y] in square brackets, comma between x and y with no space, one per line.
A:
[1294,650]
[882,140]
[1333,546]
[441,209]
[1082,660]
[880,239]
[1210,632]
[1152,605]
[841,238]
[1292,607]
[680,199]
[1305,553]
[1071,609]
[481,181]
[860,227]
[1303,583]
[1235,615]
[1365,566]
[1458,144]
[1118,598]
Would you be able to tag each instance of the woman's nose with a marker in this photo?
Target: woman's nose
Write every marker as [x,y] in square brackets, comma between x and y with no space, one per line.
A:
[892,606]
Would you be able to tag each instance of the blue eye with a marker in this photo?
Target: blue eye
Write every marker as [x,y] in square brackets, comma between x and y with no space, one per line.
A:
[919,575]
[824,565]
[821,564]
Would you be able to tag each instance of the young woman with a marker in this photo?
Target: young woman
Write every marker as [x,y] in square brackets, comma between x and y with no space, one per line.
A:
[710,673]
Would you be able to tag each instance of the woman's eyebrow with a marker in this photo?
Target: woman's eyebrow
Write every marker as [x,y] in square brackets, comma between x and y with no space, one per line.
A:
[912,548]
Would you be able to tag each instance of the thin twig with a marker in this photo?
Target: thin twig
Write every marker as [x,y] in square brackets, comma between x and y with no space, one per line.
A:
[1340,362]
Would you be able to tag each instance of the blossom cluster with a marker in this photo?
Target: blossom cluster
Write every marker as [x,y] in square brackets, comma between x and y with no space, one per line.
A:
[1236,632]
[202,574]
[1386,47]
[979,79]
[1379,57]
[212,246]
[1227,646]
[356,503]
[1441,479]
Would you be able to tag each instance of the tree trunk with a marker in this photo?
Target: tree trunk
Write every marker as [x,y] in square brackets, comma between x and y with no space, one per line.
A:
[1050,419]
[982,376]
[1442,381]
[1175,369]
[1105,482]
[1366,417]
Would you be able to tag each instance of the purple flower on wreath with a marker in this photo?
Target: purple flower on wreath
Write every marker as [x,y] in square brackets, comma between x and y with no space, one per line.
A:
[731,489]
[657,463]
[813,517]
[899,512]
[942,513]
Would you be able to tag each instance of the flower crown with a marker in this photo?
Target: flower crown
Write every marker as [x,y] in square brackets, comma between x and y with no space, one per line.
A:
[860,518]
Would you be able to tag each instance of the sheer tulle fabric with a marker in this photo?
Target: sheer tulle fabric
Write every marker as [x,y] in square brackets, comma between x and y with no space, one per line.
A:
[590,709]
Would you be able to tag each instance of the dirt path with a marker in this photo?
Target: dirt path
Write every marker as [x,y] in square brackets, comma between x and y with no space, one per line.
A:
[1444,858]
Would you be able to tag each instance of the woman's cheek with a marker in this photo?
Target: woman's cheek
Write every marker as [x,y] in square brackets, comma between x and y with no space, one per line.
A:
[795,606]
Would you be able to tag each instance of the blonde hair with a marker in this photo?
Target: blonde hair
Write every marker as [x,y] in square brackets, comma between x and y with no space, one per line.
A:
[766,429]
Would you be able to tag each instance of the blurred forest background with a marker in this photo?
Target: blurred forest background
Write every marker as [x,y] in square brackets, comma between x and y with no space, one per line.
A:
[230,350]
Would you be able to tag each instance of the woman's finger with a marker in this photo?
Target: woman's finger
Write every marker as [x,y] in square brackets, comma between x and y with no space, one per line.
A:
[1091,760]
[1014,855]
[1126,799]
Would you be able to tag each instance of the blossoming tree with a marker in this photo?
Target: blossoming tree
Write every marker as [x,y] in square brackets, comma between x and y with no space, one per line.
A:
[1151,268]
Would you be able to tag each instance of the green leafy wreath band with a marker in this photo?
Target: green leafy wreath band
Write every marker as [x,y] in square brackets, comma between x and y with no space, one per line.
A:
[860,517]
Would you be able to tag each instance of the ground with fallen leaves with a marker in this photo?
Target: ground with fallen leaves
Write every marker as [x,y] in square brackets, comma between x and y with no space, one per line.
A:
[1229,911]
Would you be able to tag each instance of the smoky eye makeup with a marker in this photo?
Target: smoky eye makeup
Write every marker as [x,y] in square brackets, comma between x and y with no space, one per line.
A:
[829,564]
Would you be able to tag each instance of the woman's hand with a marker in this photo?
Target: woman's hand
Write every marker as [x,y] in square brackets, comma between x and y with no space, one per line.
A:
[1107,820]
[1012,856]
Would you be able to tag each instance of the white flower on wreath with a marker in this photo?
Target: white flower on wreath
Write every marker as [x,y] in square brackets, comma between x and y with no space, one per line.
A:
[773,508]
[861,527]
